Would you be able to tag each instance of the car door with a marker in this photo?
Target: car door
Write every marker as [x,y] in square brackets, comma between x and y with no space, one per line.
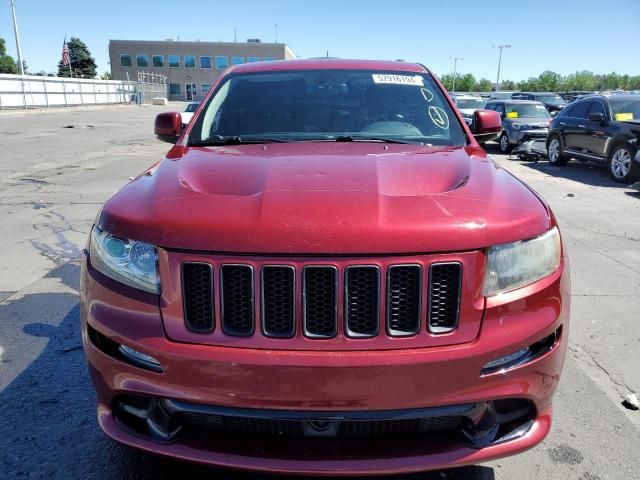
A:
[596,132]
[499,107]
[574,127]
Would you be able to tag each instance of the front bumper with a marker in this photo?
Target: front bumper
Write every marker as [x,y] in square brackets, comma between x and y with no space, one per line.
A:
[521,136]
[317,382]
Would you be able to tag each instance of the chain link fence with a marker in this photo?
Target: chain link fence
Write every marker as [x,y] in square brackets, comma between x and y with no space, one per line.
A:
[31,91]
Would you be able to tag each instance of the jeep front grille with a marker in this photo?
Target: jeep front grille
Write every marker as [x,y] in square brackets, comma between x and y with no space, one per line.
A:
[306,299]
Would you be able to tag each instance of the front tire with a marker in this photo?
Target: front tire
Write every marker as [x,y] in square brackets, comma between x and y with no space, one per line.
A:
[503,143]
[622,167]
[554,151]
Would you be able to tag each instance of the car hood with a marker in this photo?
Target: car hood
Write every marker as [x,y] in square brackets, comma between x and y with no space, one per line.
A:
[325,198]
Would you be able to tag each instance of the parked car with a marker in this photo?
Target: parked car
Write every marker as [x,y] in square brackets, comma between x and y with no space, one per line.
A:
[326,275]
[467,105]
[501,95]
[188,112]
[601,129]
[522,120]
[552,101]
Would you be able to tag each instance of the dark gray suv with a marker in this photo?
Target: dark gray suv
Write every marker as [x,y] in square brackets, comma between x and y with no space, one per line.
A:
[522,120]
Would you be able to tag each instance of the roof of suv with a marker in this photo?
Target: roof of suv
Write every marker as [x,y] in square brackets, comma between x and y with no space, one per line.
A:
[510,100]
[330,63]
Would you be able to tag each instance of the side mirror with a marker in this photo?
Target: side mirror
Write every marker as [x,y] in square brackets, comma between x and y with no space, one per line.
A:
[168,126]
[596,117]
[486,125]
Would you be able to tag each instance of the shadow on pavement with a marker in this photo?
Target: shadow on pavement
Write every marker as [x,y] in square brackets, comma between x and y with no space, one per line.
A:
[594,174]
[47,412]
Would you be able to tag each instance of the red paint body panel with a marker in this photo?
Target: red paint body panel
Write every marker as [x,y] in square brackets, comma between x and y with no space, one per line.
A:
[329,380]
[326,198]
[338,204]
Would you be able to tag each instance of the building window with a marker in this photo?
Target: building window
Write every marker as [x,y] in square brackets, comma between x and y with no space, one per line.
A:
[222,62]
[142,60]
[237,60]
[174,89]
[205,62]
[253,59]
[125,60]
[157,61]
[189,61]
[174,61]
[204,88]
[269,59]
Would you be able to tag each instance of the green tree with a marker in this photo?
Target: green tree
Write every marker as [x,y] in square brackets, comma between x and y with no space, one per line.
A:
[466,82]
[508,85]
[483,85]
[106,76]
[447,81]
[7,63]
[82,63]
[549,81]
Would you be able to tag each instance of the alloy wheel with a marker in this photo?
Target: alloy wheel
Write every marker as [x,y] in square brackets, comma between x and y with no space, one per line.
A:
[504,143]
[554,150]
[620,163]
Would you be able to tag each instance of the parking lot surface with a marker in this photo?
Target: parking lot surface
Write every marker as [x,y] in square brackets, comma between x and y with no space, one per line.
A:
[58,167]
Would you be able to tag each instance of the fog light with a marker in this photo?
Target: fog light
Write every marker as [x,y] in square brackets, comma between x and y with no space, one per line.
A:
[512,358]
[142,359]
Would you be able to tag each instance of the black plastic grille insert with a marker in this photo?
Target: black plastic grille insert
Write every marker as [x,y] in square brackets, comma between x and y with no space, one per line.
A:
[237,300]
[362,299]
[444,296]
[278,301]
[320,302]
[197,281]
[403,299]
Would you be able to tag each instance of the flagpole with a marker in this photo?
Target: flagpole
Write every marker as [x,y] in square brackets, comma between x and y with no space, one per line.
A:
[15,29]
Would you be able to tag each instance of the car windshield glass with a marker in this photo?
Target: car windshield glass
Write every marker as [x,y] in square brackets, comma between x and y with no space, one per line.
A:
[526,110]
[192,107]
[625,110]
[550,99]
[328,105]
[469,103]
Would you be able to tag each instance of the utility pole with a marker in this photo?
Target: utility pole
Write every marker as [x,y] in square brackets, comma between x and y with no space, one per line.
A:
[500,47]
[276,33]
[15,29]
[455,68]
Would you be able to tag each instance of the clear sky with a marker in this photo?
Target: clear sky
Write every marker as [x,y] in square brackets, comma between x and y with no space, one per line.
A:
[560,35]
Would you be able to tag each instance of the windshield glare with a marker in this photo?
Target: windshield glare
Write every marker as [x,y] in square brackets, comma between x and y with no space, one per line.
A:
[469,103]
[192,107]
[527,110]
[327,105]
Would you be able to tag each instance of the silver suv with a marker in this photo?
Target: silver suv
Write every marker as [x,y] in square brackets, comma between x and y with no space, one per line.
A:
[522,120]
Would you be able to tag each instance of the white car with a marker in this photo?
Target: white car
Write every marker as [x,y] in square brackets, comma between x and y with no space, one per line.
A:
[188,112]
[467,104]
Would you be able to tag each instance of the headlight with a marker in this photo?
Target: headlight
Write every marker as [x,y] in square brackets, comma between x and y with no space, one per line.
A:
[516,126]
[126,261]
[514,265]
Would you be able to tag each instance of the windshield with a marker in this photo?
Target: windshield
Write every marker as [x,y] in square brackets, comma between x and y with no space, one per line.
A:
[327,105]
[526,110]
[550,99]
[470,103]
[192,107]
[625,110]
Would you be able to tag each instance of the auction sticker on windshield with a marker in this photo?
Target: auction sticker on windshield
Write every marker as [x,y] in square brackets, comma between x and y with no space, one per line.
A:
[391,79]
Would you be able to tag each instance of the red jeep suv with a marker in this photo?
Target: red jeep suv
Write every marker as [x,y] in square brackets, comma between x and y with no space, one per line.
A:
[326,275]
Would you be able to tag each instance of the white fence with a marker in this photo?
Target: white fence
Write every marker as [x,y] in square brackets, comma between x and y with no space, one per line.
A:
[30,91]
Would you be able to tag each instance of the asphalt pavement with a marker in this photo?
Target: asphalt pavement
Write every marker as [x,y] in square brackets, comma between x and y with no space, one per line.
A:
[58,167]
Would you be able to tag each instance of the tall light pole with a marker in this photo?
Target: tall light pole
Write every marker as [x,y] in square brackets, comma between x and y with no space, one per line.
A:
[500,47]
[455,68]
[15,29]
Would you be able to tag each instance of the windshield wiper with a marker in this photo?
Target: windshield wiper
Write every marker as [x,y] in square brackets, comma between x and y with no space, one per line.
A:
[217,140]
[363,138]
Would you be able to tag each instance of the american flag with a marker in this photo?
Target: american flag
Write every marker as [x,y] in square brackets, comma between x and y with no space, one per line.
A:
[65,53]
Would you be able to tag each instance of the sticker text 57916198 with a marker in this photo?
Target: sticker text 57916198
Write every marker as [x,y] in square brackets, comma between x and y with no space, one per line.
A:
[392,79]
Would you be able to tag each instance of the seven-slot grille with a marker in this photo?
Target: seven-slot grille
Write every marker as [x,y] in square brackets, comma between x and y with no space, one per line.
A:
[279,290]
